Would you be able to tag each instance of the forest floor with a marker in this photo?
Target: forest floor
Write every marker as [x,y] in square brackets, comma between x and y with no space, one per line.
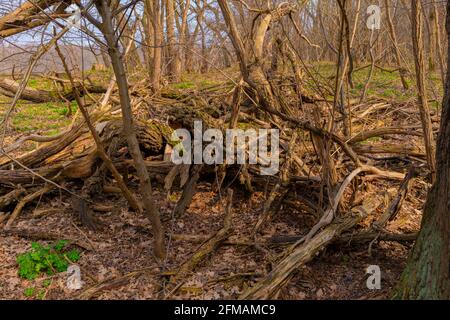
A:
[124,244]
[119,263]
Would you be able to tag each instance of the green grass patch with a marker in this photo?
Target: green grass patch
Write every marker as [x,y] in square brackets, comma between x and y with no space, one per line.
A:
[42,116]
[384,83]
[183,85]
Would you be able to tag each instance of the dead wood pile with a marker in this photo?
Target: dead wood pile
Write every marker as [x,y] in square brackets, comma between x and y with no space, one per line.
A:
[320,172]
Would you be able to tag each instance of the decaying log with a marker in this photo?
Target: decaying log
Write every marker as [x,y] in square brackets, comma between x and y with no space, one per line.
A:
[350,239]
[10,88]
[380,132]
[73,170]
[34,138]
[39,155]
[45,212]
[11,197]
[299,254]
[24,201]
[76,151]
[284,180]
[389,148]
[365,237]
[188,191]
[25,177]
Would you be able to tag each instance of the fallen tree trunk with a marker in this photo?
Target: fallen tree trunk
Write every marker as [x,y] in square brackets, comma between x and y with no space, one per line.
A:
[299,254]
[9,88]
[24,177]
[351,239]
[11,197]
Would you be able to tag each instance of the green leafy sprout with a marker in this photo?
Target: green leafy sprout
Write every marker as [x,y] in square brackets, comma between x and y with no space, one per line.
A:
[50,259]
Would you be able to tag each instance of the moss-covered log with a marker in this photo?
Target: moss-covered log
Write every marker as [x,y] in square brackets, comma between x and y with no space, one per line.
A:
[9,88]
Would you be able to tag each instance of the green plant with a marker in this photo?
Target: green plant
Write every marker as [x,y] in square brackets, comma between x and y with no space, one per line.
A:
[32,83]
[28,292]
[41,294]
[49,259]
[184,85]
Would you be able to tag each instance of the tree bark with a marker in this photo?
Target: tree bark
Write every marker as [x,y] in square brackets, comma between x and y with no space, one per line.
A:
[427,270]
[174,76]
[153,9]
[417,39]
[178,67]
[130,134]
[9,88]
[394,40]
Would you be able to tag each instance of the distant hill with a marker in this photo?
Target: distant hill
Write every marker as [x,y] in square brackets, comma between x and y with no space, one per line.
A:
[17,58]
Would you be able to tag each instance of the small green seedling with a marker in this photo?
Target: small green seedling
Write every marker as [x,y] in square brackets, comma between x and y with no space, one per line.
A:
[28,292]
[49,259]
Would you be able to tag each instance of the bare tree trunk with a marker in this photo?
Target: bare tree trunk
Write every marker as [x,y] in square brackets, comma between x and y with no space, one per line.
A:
[216,28]
[127,34]
[178,67]
[204,65]
[341,66]
[426,275]
[107,29]
[440,52]
[149,36]
[105,58]
[432,35]
[394,40]
[417,40]
[371,70]
[153,9]
[250,62]
[174,76]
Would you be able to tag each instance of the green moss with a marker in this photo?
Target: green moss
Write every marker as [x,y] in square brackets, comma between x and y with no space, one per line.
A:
[165,130]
